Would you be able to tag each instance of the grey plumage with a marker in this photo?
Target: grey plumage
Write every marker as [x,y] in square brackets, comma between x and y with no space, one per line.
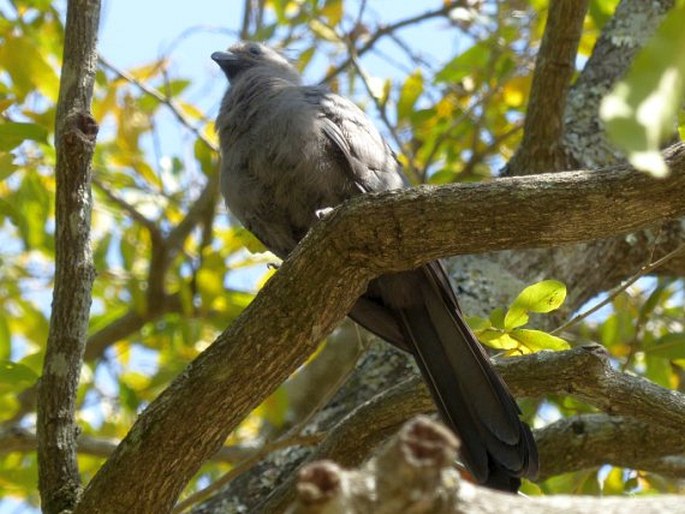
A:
[290,151]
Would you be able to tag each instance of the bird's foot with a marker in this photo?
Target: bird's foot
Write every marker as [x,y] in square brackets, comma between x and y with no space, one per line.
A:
[322,213]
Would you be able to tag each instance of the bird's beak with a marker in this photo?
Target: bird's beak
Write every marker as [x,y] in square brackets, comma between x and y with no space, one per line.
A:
[227,61]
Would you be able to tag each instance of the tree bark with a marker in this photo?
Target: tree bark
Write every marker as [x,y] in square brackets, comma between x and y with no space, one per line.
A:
[319,283]
[413,473]
[75,133]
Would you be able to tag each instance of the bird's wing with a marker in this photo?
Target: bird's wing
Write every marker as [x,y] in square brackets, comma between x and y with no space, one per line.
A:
[371,163]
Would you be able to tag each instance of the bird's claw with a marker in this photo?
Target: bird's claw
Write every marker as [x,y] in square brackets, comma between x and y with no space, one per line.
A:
[322,213]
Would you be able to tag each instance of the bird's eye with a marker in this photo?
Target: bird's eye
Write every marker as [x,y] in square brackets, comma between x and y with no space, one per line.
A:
[254,50]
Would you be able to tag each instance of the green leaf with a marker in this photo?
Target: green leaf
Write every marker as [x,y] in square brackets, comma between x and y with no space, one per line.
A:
[5,339]
[7,166]
[475,58]
[537,340]
[12,134]
[670,346]
[478,324]
[498,340]
[659,371]
[542,297]
[29,208]
[497,318]
[409,94]
[640,112]
[515,317]
[15,377]
[600,11]
[609,331]
[443,176]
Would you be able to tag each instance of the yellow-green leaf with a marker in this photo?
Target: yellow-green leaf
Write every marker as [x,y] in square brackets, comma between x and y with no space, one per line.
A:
[323,31]
[515,317]
[15,376]
[28,68]
[670,346]
[498,340]
[478,324]
[333,10]
[250,242]
[12,134]
[543,296]
[536,340]
[410,92]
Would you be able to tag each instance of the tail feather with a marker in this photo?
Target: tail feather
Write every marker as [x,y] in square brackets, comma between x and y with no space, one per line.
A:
[497,447]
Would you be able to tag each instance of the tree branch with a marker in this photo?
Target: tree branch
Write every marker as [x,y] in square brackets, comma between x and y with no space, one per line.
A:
[19,439]
[599,266]
[175,109]
[389,29]
[75,134]
[592,440]
[622,37]
[319,283]
[413,474]
[542,148]
[644,416]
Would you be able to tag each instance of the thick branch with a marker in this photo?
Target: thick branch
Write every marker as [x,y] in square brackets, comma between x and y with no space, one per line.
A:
[75,134]
[622,37]
[412,474]
[317,286]
[646,425]
[19,439]
[589,269]
[592,440]
[542,148]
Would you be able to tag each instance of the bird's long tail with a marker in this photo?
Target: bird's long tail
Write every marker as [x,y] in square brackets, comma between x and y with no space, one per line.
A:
[496,446]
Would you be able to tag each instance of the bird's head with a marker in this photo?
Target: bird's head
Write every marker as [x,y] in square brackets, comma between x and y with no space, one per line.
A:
[246,55]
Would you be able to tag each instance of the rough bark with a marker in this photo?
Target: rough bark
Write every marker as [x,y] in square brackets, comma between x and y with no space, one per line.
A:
[631,405]
[600,265]
[487,282]
[75,133]
[413,473]
[592,440]
[187,423]
[543,148]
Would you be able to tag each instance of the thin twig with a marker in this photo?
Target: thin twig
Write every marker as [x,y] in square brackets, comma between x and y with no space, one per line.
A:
[242,467]
[388,29]
[150,225]
[360,14]
[245,27]
[162,98]
[366,80]
[640,322]
[645,270]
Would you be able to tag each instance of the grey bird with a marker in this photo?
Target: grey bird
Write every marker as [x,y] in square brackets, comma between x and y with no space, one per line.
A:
[290,152]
